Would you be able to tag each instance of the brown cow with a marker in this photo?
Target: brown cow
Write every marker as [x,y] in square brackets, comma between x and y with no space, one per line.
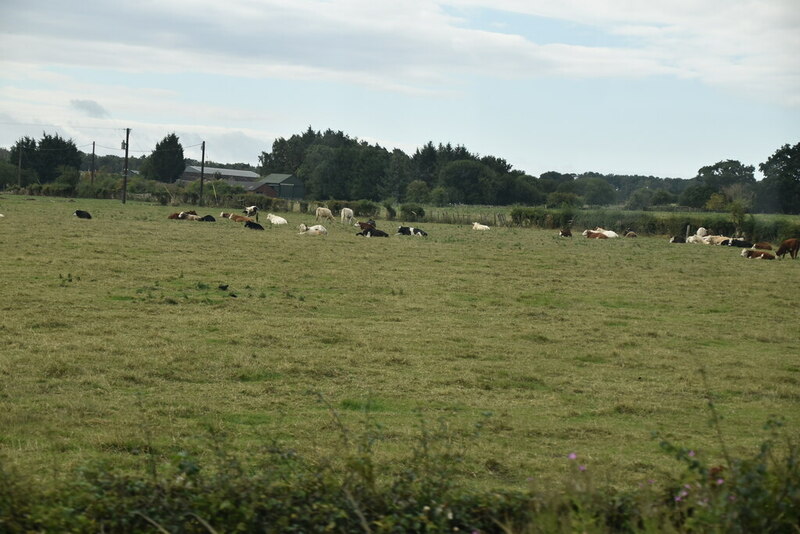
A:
[236,218]
[791,245]
[763,245]
[594,235]
[757,254]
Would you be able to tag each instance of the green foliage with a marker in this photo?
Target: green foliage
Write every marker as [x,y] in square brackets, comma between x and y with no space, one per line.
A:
[780,188]
[47,158]
[166,162]
[277,490]
[412,212]
[418,192]
[563,199]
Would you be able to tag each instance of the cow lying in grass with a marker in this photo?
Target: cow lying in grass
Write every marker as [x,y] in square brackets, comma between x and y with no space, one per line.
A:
[410,230]
[479,226]
[372,232]
[82,214]
[236,218]
[317,229]
[274,219]
[757,254]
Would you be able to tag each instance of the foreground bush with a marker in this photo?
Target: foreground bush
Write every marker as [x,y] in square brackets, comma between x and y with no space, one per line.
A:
[284,493]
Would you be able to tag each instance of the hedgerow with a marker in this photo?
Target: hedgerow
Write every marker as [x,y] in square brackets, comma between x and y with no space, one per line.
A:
[353,492]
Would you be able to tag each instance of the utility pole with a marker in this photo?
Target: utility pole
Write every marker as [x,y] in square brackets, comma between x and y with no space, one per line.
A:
[19,166]
[125,177]
[92,169]
[202,169]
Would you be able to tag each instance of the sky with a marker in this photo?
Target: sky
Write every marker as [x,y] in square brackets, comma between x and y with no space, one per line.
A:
[647,87]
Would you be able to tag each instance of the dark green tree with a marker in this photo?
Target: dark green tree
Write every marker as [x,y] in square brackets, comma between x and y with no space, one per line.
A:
[695,196]
[166,163]
[724,174]
[780,188]
[52,153]
[595,191]
[471,181]
[23,156]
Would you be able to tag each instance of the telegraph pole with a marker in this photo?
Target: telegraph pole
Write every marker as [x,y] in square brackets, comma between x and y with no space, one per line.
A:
[19,166]
[125,177]
[202,169]
[92,169]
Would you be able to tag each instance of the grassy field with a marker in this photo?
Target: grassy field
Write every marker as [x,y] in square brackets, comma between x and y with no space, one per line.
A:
[116,338]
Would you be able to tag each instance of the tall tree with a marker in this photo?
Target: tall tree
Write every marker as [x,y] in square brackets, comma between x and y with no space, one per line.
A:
[23,154]
[166,163]
[726,173]
[470,181]
[781,184]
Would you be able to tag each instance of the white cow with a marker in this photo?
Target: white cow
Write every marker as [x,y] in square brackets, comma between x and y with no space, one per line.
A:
[479,226]
[323,213]
[347,215]
[702,232]
[317,229]
[694,239]
[274,219]
[608,233]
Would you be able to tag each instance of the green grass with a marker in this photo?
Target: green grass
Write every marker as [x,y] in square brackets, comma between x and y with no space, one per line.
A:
[116,338]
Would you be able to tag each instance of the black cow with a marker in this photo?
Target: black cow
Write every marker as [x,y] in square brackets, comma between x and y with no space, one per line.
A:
[82,214]
[373,232]
[677,239]
[207,218]
[253,225]
[741,243]
[410,230]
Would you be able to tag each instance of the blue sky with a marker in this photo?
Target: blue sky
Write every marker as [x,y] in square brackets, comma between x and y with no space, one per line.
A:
[612,86]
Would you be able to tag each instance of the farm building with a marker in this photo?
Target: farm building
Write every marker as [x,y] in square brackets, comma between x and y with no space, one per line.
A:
[192,173]
[275,185]
[287,186]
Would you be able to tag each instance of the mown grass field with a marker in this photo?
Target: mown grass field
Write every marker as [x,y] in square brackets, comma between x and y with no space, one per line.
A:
[116,339]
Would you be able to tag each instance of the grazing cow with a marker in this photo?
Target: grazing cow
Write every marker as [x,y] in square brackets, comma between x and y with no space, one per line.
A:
[791,245]
[677,239]
[207,218]
[373,232]
[234,217]
[757,254]
[479,226]
[565,232]
[740,243]
[323,213]
[82,214]
[317,229]
[763,245]
[410,230]
[253,225]
[347,215]
[274,219]
[594,235]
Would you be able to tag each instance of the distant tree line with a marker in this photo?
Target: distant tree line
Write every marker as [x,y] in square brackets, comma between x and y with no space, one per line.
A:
[332,165]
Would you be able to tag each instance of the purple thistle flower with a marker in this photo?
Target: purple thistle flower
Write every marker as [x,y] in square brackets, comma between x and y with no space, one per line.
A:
[691,454]
[581,468]
[720,481]
[572,456]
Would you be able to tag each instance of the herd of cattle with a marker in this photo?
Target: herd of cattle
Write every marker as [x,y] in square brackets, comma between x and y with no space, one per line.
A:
[761,250]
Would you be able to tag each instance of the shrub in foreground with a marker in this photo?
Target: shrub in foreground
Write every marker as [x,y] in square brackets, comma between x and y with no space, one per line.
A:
[352,492]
